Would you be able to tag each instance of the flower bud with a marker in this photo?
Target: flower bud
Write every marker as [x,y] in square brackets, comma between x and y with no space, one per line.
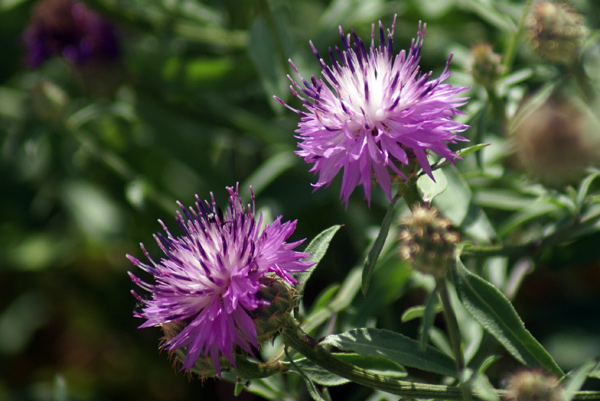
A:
[486,66]
[531,385]
[279,300]
[204,366]
[556,140]
[556,33]
[428,242]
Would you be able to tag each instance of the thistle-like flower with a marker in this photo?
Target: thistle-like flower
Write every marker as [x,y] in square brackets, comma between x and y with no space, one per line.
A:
[210,278]
[372,110]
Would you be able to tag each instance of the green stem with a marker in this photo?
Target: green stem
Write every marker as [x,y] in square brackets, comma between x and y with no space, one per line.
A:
[498,108]
[512,47]
[294,337]
[453,333]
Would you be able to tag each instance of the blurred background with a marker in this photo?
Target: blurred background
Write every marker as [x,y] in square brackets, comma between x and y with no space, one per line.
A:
[110,111]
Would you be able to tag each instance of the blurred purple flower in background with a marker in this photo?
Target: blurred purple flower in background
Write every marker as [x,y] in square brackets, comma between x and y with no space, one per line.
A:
[376,109]
[69,29]
[211,276]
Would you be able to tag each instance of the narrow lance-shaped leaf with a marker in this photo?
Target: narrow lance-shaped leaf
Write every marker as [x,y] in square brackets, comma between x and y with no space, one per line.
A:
[418,311]
[317,249]
[494,312]
[575,378]
[462,153]
[310,385]
[583,189]
[395,347]
[427,321]
[375,251]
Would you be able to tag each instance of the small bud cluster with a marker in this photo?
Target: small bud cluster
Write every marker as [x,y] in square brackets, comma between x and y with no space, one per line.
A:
[486,66]
[428,242]
[529,385]
[279,300]
[556,33]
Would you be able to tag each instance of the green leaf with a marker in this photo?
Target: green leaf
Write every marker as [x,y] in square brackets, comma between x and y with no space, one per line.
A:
[416,312]
[265,51]
[462,153]
[431,306]
[470,149]
[575,379]
[375,251]
[528,213]
[395,347]
[317,249]
[494,312]
[267,172]
[342,299]
[310,385]
[428,188]
[376,365]
[239,387]
[483,388]
[584,188]
[13,103]
[325,296]
[487,11]
[595,373]
[457,204]
[59,389]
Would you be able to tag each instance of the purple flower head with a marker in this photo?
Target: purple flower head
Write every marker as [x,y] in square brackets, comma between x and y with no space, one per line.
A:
[210,276]
[372,110]
[70,29]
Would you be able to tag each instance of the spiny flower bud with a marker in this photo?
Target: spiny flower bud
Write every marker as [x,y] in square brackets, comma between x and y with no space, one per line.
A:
[204,366]
[486,66]
[279,300]
[556,33]
[428,242]
[531,385]
[556,140]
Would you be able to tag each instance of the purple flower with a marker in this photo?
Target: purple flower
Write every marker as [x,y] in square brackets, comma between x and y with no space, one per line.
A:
[210,277]
[70,29]
[376,110]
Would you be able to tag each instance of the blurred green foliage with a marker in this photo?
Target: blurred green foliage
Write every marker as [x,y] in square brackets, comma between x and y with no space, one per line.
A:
[92,157]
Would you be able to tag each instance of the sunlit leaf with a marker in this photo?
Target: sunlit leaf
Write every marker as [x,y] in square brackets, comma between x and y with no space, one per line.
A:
[395,347]
[490,308]
[428,188]
[317,249]
[456,203]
